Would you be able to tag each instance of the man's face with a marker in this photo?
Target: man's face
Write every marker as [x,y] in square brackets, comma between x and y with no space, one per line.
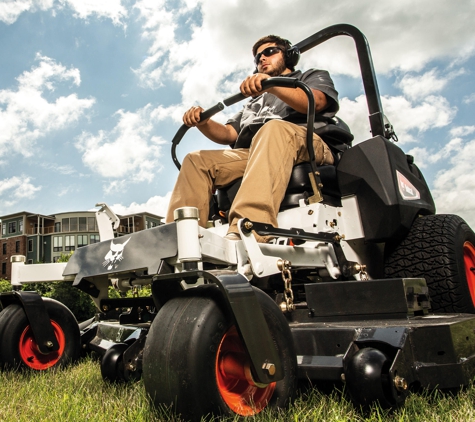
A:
[273,65]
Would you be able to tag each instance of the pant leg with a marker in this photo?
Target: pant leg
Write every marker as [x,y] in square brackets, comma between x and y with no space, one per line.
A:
[201,173]
[275,149]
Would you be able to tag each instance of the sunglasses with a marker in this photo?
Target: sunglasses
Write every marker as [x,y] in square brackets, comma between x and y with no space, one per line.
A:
[269,51]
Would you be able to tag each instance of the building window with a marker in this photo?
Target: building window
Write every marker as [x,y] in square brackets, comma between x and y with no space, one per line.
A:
[91,224]
[69,243]
[65,224]
[4,248]
[17,246]
[57,244]
[82,240]
[4,229]
[73,224]
[94,238]
[57,227]
[12,227]
[4,267]
[20,226]
[30,245]
[82,224]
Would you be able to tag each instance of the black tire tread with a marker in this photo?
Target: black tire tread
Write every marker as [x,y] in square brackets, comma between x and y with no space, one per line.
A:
[431,250]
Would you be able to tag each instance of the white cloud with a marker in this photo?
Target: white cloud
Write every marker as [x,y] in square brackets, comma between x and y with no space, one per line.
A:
[212,50]
[126,154]
[408,118]
[16,188]
[422,85]
[10,10]
[469,99]
[25,113]
[431,82]
[111,9]
[156,205]
[462,130]
[454,187]
[203,47]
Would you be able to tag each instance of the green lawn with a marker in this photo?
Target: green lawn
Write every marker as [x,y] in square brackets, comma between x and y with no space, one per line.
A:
[79,394]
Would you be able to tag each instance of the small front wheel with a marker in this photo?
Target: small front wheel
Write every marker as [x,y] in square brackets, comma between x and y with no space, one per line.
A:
[19,349]
[368,379]
[112,363]
[195,360]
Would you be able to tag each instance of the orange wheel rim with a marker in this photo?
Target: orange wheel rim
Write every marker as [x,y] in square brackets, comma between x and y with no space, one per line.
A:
[469,261]
[31,355]
[239,392]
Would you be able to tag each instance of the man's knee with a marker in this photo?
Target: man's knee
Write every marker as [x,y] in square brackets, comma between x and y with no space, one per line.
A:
[195,157]
[276,134]
[276,126]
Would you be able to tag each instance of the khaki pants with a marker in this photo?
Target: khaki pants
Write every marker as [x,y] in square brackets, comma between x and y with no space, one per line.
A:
[265,168]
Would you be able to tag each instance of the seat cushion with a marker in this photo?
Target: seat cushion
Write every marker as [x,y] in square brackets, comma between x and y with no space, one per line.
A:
[299,187]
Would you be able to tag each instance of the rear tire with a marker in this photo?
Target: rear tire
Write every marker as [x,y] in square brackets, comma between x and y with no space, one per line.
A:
[441,249]
[18,347]
[194,359]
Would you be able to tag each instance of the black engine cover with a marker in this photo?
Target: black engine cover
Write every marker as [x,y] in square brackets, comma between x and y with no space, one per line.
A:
[391,190]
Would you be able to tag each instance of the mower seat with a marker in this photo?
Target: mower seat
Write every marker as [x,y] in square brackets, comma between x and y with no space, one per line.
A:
[338,137]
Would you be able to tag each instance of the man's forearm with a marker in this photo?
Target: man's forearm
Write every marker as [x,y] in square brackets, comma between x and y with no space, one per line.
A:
[298,100]
[217,132]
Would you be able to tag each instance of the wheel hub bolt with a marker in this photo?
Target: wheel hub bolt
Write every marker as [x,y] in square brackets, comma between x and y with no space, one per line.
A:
[400,383]
[49,344]
[269,367]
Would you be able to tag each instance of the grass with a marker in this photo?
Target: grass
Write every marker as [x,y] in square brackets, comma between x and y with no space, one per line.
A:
[78,393]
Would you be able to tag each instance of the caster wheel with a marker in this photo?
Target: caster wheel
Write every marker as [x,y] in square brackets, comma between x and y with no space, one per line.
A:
[112,363]
[367,378]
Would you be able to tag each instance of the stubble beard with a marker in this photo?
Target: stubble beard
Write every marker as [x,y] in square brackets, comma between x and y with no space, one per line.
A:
[278,70]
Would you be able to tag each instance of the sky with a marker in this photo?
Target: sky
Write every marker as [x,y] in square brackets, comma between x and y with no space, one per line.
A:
[92,92]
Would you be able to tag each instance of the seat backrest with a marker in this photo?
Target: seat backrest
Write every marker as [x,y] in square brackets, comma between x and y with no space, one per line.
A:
[336,135]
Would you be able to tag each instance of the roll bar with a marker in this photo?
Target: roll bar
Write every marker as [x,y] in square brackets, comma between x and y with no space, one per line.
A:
[370,84]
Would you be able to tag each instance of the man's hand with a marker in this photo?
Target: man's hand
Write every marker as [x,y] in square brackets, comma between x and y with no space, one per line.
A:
[191,117]
[252,85]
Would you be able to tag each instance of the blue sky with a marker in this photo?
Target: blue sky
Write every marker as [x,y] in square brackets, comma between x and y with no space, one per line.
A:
[92,92]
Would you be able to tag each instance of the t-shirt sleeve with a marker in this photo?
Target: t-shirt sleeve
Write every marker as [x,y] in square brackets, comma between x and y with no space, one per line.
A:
[321,80]
[235,121]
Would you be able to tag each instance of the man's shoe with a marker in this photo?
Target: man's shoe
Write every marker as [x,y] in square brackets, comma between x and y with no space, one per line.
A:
[233,236]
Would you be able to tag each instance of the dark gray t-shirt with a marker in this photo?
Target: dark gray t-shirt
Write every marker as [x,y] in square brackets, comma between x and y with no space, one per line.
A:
[265,107]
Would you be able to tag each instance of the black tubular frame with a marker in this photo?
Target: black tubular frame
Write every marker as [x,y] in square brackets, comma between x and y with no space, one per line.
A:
[370,84]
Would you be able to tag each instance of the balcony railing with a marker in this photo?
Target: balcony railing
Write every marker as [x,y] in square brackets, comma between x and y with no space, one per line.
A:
[40,230]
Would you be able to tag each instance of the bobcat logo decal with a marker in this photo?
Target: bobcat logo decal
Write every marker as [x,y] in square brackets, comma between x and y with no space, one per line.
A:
[115,255]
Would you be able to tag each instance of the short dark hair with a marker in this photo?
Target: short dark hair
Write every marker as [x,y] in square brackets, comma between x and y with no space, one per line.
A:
[281,42]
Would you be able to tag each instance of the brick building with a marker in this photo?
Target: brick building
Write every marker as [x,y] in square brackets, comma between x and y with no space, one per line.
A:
[43,238]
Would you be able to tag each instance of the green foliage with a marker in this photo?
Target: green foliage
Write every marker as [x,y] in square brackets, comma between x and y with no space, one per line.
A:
[64,257]
[5,286]
[80,303]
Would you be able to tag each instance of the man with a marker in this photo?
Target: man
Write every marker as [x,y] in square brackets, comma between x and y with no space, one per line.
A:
[267,139]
